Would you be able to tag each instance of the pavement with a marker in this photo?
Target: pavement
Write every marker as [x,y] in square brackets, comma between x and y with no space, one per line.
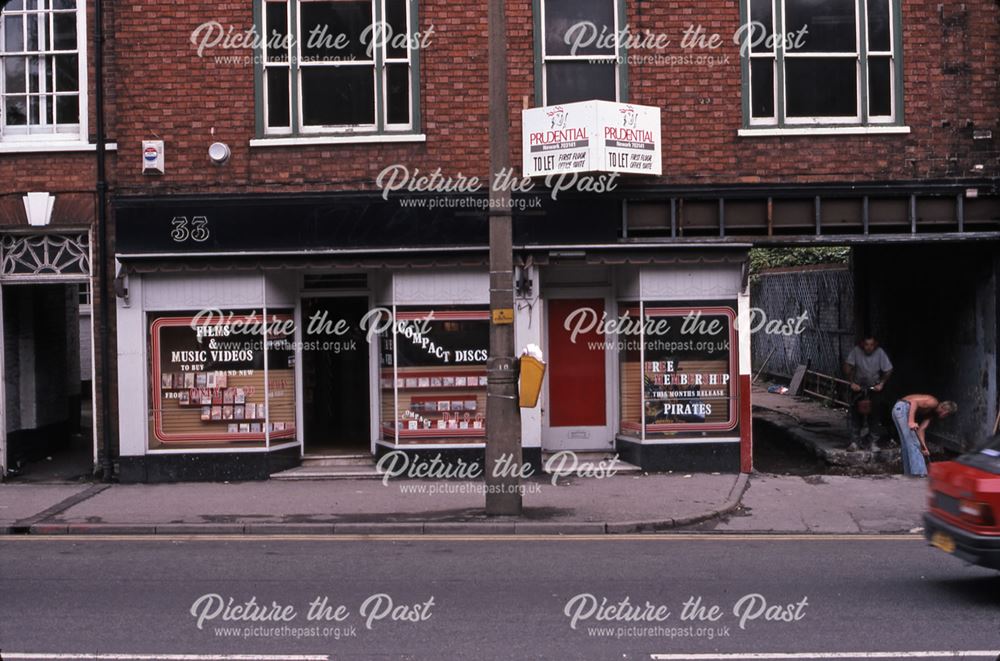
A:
[18,502]
[613,505]
[617,504]
[827,504]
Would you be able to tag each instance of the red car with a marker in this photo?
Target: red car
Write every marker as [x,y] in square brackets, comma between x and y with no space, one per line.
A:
[965,506]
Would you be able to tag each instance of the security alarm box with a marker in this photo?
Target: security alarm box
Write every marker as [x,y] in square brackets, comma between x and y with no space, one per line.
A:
[152,157]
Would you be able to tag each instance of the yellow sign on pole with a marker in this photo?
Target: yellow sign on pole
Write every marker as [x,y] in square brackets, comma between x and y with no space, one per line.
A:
[532,373]
[503,317]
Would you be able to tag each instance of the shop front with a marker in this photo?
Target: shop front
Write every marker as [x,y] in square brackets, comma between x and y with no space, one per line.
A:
[645,356]
[238,365]
[241,373]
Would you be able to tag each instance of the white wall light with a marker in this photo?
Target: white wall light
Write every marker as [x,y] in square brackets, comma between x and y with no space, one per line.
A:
[219,153]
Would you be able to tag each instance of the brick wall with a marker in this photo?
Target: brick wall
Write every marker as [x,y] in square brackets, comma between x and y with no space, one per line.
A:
[70,176]
[951,85]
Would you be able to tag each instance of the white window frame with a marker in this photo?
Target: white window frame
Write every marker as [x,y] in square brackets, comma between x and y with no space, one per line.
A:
[384,71]
[68,137]
[379,64]
[619,59]
[861,54]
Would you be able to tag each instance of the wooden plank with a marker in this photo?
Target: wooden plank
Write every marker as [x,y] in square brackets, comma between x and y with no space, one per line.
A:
[798,379]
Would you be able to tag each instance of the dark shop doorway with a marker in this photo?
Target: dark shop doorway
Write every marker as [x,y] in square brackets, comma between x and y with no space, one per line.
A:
[336,376]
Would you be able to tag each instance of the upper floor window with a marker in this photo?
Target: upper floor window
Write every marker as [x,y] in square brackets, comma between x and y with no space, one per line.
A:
[332,66]
[822,62]
[42,71]
[581,55]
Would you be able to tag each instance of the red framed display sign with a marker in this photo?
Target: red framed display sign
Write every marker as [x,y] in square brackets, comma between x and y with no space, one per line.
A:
[689,369]
[211,383]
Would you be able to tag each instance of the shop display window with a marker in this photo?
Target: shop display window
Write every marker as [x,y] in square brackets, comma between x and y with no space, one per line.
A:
[433,375]
[684,380]
[221,381]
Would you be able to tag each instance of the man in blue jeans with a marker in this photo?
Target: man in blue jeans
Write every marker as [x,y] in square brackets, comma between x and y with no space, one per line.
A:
[912,416]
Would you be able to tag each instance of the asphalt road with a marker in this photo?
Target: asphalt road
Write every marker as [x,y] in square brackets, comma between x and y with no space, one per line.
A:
[500,598]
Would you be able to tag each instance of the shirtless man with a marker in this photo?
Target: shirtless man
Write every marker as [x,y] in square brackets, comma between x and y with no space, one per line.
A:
[912,416]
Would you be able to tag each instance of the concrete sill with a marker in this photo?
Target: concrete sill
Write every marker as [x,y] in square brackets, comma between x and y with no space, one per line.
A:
[52,147]
[822,130]
[301,141]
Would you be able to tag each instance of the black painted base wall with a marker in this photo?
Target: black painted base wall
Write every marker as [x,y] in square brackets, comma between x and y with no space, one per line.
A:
[692,457]
[242,467]
[248,467]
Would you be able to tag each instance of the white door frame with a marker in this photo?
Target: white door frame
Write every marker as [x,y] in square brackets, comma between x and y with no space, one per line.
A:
[374,403]
[583,439]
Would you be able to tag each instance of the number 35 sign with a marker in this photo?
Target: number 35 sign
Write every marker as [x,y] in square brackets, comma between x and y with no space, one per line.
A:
[196,230]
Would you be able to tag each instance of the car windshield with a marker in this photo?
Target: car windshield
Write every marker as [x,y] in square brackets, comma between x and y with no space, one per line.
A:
[986,458]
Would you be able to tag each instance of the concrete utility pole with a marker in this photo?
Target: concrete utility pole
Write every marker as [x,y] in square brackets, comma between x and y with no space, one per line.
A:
[104,252]
[503,416]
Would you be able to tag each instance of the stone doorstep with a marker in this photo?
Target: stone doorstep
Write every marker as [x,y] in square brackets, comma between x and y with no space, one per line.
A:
[328,473]
[362,467]
[338,460]
[591,463]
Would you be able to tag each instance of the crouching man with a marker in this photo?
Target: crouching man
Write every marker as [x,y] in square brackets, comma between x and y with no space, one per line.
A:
[912,415]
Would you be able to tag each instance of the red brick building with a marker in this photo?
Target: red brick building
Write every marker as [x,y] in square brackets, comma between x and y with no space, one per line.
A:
[866,121]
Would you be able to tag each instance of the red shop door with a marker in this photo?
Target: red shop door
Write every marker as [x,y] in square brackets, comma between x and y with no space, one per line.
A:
[577,402]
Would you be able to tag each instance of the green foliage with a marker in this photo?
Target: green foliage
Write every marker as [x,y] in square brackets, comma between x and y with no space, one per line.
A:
[770,258]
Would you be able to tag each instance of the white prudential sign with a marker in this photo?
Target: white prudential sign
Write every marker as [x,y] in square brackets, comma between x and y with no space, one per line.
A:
[592,136]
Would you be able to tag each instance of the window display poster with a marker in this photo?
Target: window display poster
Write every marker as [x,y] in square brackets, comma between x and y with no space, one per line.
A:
[442,338]
[208,381]
[689,368]
[437,387]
